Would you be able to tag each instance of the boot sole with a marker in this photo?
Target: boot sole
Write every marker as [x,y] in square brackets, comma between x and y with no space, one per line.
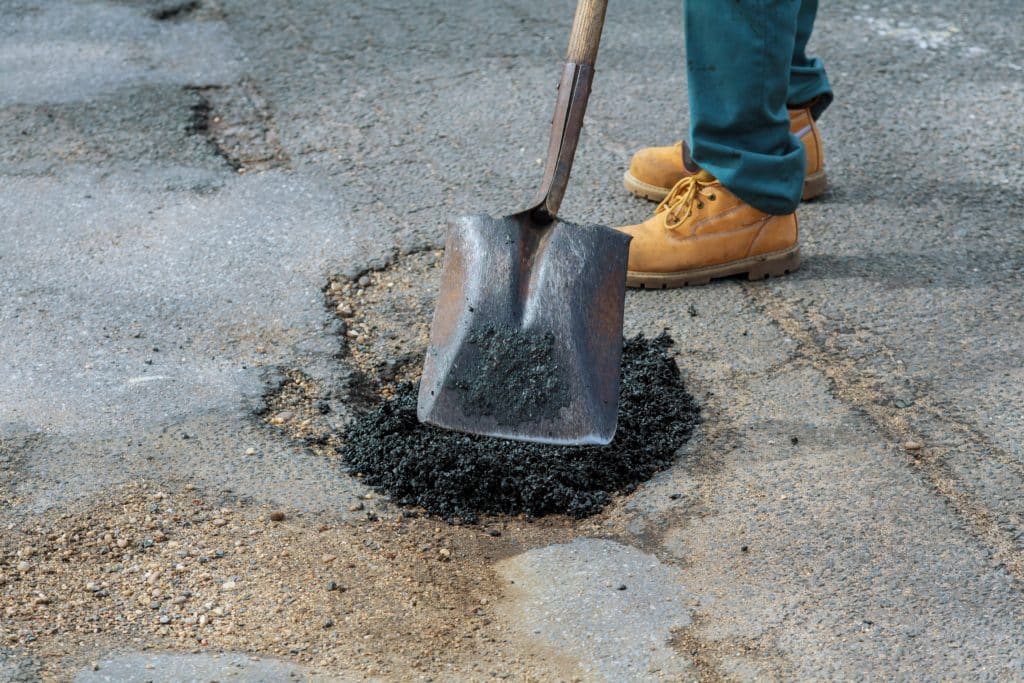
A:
[814,186]
[761,267]
[644,190]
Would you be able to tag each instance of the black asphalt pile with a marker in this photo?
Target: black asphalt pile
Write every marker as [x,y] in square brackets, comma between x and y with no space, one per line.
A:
[460,476]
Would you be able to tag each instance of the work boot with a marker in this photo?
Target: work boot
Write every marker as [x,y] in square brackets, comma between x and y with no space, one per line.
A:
[702,231]
[654,171]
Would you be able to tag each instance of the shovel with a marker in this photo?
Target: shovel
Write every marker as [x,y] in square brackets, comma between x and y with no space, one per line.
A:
[526,339]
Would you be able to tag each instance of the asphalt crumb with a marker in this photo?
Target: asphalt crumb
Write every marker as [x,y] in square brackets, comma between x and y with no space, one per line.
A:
[511,375]
[460,477]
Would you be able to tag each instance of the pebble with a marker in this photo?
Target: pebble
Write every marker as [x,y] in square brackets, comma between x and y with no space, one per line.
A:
[180,600]
[228,586]
[913,445]
[445,554]
[345,311]
[355,507]
[276,516]
[164,619]
[327,559]
[24,566]
[364,281]
[122,543]
[250,451]
[220,522]
[332,586]
[285,415]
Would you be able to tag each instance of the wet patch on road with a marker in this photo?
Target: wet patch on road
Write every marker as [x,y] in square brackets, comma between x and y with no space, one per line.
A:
[148,125]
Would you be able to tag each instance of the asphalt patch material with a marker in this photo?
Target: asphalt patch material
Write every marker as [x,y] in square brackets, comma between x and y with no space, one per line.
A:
[510,375]
[461,476]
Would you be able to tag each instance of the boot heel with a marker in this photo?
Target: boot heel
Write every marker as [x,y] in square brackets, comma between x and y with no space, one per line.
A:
[775,265]
[815,185]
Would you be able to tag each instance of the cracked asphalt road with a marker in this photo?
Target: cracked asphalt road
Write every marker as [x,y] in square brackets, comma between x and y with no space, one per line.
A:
[181,180]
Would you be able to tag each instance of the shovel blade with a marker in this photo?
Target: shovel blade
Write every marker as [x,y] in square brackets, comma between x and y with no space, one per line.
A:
[526,340]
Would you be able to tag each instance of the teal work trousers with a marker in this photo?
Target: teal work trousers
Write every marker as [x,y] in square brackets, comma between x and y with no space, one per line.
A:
[746,61]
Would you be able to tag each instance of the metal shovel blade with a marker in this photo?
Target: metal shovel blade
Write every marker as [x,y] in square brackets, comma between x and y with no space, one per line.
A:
[527,334]
[526,339]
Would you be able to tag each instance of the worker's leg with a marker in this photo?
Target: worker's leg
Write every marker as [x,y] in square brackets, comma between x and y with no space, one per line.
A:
[808,82]
[739,57]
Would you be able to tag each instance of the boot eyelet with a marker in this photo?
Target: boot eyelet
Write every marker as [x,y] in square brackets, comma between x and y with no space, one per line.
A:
[700,205]
[712,197]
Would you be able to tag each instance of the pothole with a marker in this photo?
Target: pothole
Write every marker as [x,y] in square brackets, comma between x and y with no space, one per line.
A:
[299,405]
[456,476]
[387,317]
[460,476]
[238,124]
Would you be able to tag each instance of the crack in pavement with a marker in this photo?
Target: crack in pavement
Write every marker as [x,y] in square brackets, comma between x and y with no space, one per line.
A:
[905,426]
[238,124]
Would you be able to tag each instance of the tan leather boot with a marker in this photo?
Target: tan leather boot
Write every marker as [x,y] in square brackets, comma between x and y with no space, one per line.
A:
[702,231]
[653,171]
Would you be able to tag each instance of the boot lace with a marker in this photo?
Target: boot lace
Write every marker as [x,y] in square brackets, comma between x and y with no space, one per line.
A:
[691,190]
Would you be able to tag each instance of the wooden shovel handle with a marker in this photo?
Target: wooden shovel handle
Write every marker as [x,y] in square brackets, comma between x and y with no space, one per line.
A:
[586,31]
